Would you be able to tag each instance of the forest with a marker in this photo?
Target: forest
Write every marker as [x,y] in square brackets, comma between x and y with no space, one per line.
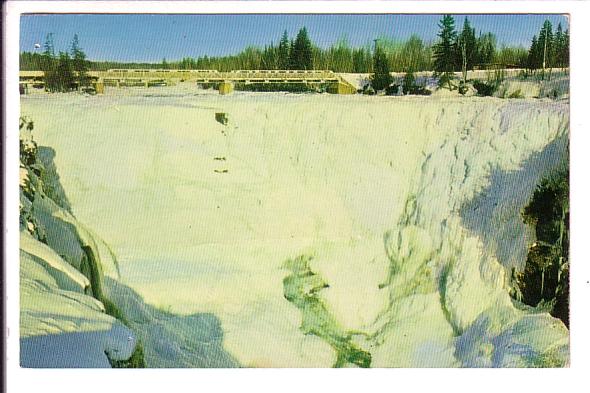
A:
[548,48]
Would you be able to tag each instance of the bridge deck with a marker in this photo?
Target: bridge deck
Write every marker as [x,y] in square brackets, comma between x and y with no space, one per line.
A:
[119,78]
[203,76]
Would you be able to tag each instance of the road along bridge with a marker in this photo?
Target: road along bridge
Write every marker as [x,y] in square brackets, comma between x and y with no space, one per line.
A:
[225,80]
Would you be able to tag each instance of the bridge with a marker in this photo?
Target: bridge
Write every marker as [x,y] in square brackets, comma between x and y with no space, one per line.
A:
[225,80]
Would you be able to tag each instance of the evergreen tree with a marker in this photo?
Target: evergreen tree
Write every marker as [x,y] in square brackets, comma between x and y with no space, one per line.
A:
[486,49]
[535,55]
[64,71]
[79,63]
[48,49]
[409,83]
[565,55]
[61,78]
[301,54]
[545,42]
[381,78]
[292,62]
[466,48]
[48,53]
[560,48]
[284,52]
[445,50]
[542,53]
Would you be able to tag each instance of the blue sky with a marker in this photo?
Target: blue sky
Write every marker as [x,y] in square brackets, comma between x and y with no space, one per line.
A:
[146,37]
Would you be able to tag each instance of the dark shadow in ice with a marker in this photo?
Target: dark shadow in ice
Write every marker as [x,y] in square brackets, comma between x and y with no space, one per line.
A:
[494,215]
[170,340]
[51,183]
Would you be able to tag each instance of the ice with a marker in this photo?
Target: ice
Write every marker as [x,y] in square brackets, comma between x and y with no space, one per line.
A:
[372,187]
[431,251]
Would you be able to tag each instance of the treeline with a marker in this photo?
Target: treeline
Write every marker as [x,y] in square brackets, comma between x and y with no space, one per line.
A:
[453,51]
[461,51]
[34,62]
[302,53]
[458,50]
[65,71]
[549,50]
[477,50]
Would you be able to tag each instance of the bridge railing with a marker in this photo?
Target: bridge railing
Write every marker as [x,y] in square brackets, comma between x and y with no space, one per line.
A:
[202,74]
[217,75]
[181,74]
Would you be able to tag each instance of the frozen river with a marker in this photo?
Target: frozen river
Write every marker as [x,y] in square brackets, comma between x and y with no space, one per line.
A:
[204,216]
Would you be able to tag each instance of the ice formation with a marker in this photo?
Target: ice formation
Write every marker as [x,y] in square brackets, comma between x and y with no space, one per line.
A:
[376,194]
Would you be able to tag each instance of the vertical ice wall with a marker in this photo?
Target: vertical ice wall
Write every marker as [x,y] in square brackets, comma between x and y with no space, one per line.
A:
[449,302]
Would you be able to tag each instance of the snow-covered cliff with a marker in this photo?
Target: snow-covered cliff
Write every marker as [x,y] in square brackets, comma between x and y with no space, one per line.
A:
[63,320]
[460,232]
[75,311]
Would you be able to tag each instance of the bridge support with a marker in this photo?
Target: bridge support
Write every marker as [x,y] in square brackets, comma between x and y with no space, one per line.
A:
[99,87]
[341,88]
[226,88]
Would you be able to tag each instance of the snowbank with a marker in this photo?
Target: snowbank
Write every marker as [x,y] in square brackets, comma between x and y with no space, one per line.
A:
[554,84]
[357,80]
[170,340]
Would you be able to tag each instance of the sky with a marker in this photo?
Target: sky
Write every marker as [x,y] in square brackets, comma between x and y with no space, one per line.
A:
[153,37]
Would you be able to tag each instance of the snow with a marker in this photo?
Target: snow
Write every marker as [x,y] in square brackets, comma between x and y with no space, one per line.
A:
[357,80]
[64,274]
[62,322]
[430,246]
[60,326]
[372,187]
[170,340]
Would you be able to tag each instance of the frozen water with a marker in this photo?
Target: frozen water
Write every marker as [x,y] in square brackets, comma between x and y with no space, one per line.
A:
[204,215]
